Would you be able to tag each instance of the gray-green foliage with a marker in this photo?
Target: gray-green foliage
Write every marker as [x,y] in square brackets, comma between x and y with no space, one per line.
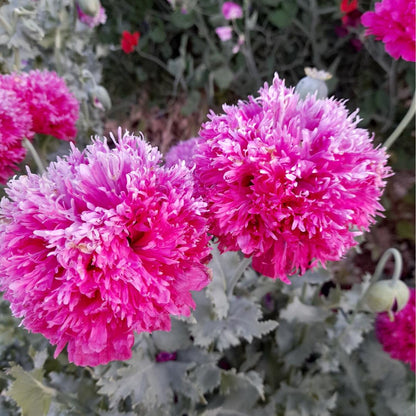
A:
[253,346]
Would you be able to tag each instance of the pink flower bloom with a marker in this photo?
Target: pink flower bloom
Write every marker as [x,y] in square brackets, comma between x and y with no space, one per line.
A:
[53,108]
[105,243]
[393,22]
[15,125]
[184,150]
[398,337]
[231,10]
[290,182]
[99,19]
[224,32]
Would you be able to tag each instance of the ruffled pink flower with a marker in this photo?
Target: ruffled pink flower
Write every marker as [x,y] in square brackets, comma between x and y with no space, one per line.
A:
[224,32]
[15,125]
[398,336]
[231,10]
[393,22]
[184,150]
[290,182]
[99,19]
[105,243]
[53,108]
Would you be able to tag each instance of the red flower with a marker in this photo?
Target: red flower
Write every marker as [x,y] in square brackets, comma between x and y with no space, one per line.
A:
[348,6]
[129,41]
[351,14]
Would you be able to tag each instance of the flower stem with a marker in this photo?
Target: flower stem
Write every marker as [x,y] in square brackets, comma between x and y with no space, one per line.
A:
[398,264]
[35,155]
[402,125]
[239,271]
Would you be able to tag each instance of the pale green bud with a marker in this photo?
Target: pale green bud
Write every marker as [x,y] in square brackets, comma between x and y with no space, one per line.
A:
[100,97]
[89,7]
[386,295]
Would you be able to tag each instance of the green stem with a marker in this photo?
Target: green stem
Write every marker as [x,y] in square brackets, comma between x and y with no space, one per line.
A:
[240,270]
[398,264]
[35,155]
[402,125]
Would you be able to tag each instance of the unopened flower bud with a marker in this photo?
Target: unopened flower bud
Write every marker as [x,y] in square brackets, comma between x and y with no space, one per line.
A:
[387,296]
[314,82]
[89,7]
[100,97]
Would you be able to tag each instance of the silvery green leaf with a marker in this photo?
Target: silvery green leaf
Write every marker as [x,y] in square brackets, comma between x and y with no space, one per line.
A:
[239,394]
[223,267]
[307,396]
[349,335]
[29,391]
[175,339]
[297,311]
[242,321]
[147,382]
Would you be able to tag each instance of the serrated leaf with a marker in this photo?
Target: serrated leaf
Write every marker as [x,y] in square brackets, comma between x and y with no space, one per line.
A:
[349,335]
[242,321]
[175,339]
[147,382]
[296,311]
[31,395]
[241,391]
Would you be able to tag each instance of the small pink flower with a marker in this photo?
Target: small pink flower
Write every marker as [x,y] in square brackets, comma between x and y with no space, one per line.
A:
[393,22]
[398,336]
[183,151]
[231,10]
[224,32]
[240,42]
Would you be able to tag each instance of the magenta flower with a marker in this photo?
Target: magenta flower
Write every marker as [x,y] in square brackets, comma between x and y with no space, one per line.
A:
[398,336]
[290,182]
[224,32]
[105,243]
[53,108]
[184,150]
[99,19]
[393,22]
[231,10]
[15,125]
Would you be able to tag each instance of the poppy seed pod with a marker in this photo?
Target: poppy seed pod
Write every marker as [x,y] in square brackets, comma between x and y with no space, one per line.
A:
[314,82]
[387,296]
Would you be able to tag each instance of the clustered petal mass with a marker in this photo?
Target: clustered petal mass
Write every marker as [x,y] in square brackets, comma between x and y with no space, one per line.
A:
[231,10]
[129,41]
[224,32]
[105,243]
[15,124]
[398,337]
[290,182]
[53,108]
[184,150]
[393,22]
